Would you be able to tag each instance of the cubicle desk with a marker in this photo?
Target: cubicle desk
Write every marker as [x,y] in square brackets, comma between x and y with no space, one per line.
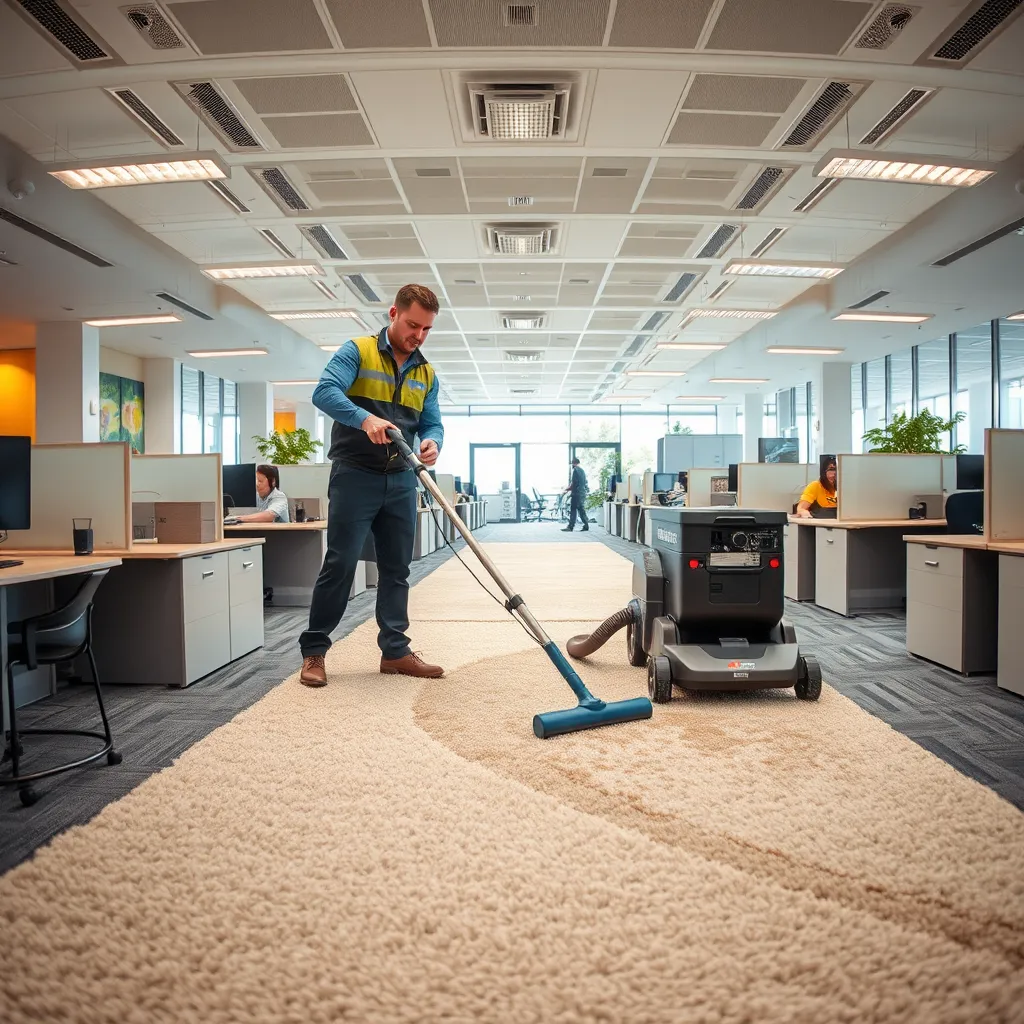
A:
[35,594]
[292,558]
[859,564]
[952,588]
[173,613]
[1010,670]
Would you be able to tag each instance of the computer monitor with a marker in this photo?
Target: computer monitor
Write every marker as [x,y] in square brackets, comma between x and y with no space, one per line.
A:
[778,449]
[458,485]
[16,490]
[970,472]
[240,484]
[683,479]
[734,477]
[664,481]
[612,481]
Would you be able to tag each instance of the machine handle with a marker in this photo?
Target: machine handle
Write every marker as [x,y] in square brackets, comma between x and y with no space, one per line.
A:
[734,520]
[932,563]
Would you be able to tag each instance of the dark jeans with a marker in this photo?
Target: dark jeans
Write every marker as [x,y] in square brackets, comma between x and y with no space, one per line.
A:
[360,502]
[576,506]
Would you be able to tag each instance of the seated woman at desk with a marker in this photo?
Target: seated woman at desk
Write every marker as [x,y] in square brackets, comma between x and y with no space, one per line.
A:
[819,494]
[272,506]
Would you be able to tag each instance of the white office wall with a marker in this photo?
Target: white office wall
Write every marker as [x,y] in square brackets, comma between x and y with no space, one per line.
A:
[753,423]
[255,416]
[67,383]
[162,378]
[120,364]
[835,409]
[306,417]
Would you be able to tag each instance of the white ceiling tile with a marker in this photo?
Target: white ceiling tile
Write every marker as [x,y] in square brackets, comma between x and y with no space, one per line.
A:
[406,109]
[25,51]
[633,107]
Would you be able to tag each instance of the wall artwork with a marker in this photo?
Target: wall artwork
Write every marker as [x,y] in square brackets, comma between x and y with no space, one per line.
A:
[122,411]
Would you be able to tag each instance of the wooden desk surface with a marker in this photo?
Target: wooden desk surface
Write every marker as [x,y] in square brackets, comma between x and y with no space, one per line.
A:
[967,541]
[144,550]
[866,524]
[46,567]
[1007,547]
[275,527]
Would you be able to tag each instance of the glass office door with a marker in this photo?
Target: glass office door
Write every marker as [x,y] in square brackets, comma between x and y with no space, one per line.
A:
[494,470]
[600,461]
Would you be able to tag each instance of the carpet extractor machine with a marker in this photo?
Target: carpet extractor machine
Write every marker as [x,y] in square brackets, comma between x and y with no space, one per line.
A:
[707,607]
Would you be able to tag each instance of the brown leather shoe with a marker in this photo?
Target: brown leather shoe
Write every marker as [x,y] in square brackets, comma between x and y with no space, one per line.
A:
[410,665]
[314,672]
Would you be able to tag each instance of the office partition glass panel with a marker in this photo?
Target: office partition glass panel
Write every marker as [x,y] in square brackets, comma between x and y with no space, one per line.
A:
[857,402]
[458,431]
[640,433]
[974,386]
[211,413]
[191,409]
[229,440]
[874,410]
[545,470]
[933,382]
[799,428]
[901,383]
[1011,374]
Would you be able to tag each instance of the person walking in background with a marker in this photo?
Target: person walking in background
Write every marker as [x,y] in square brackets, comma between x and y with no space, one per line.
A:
[577,490]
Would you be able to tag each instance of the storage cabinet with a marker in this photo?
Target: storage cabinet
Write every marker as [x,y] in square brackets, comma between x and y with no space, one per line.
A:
[830,568]
[1010,671]
[245,588]
[799,551]
[678,452]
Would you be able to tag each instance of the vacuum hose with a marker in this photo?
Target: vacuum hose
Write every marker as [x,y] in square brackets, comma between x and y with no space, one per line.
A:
[586,643]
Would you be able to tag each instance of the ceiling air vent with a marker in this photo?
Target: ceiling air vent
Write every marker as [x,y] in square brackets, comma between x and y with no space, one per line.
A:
[989,17]
[609,172]
[654,321]
[324,290]
[891,20]
[725,284]
[276,242]
[131,102]
[281,190]
[635,346]
[833,99]
[994,236]
[215,109]
[763,186]
[324,242]
[359,283]
[64,30]
[182,304]
[682,286]
[896,116]
[770,239]
[153,26]
[522,391]
[516,113]
[433,172]
[519,15]
[868,300]
[520,239]
[719,241]
[523,357]
[229,197]
[48,236]
[522,321]
[816,194]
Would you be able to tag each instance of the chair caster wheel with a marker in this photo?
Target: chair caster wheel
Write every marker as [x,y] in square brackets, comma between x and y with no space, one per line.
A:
[114,757]
[28,796]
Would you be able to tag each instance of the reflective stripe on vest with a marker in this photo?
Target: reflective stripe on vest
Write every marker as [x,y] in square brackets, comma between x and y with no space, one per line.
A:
[376,382]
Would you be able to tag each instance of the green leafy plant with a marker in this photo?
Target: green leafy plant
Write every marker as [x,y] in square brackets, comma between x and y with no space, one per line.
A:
[913,434]
[288,448]
[677,428]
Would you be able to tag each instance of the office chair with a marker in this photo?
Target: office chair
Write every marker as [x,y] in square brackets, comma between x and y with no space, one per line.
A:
[528,508]
[965,512]
[49,639]
[540,504]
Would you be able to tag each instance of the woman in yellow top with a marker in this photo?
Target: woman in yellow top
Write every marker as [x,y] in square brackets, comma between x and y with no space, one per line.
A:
[820,493]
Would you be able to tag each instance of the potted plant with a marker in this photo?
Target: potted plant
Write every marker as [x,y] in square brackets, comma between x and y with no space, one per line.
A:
[913,434]
[287,448]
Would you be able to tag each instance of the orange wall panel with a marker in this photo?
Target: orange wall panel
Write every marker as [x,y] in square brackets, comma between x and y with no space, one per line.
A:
[18,391]
[284,421]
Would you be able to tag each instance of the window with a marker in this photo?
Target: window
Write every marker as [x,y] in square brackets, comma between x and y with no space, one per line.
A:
[933,382]
[209,415]
[974,386]
[1011,374]
[857,400]
[231,428]
[799,429]
[212,414]
[874,410]
[901,383]
[768,421]
[698,419]
[640,434]
[191,411]
[812,422]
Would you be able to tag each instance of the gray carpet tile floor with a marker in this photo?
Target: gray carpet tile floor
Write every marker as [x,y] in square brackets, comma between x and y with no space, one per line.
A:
[968,722]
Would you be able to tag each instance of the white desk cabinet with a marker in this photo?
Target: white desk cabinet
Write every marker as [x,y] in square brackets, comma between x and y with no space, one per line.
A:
[245,592]
[951,606]
[1010,671]
[799,551]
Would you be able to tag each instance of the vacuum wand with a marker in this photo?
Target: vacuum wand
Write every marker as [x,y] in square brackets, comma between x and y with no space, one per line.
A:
[590,712]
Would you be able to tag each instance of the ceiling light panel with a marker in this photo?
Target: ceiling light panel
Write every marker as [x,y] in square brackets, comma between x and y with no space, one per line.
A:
[226,352]
[729,314]
[1016,316]
[781,268]
[800,350]
[317,314]
[884,318]
[142,171]
[135,321]
[277,268]
[526,115]
[689,346]
[867,165]
[654,373]
[737,380]
[699,398]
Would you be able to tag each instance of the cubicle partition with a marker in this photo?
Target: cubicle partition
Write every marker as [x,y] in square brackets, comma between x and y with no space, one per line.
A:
[1004,485]
[78,481]
[180,478]
[885,486]
[699,486]
[308,481]
[776,486]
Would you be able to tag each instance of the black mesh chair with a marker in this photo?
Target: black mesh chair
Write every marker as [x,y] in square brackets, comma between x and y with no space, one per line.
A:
[528,509]
[49,639]
[965,512]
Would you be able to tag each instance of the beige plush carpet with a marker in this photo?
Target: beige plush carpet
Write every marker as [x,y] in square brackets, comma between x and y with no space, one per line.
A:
[384,850]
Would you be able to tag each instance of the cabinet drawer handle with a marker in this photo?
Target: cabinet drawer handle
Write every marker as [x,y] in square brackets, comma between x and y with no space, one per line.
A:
[209,572]
[830,540]
[935,564]
[247,565]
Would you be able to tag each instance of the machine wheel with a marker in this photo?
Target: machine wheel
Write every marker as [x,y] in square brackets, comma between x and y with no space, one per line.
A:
[659,680]
[808,684]
[635,641]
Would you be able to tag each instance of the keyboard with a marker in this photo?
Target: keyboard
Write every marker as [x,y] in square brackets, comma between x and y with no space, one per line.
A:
[10,563]
[231,520]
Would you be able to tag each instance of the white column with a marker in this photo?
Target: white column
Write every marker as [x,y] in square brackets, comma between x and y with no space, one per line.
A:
[305,417]
[67,383]
[753,423]
[255,416]
[835,409]
[162,378]
[727,419]
[979,416]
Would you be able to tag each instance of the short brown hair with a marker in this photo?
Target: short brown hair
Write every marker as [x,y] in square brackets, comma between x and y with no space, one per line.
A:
[273,477]
[410,293]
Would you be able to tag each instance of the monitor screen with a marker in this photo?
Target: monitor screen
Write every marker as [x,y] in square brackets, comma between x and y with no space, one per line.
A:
[970,472]
[682,479]
[240,485]
[664,481]
[612,481]
[458,485]
[16,492]
[778,449]
[734,477]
